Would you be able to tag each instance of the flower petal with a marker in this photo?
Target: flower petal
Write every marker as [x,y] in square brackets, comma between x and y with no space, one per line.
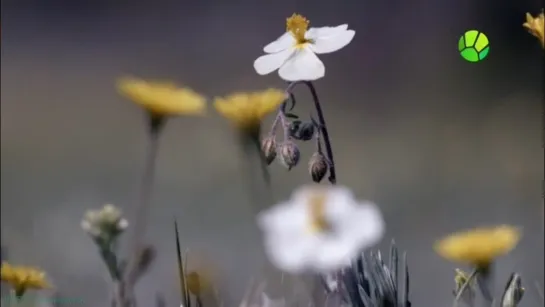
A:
[364,225]
[270,62]
[314,33]
[332,43]
[291,254]
[334,253]
[302,65]
[282,43]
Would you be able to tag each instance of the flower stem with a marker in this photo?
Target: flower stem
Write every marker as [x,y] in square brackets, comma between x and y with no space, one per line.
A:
[251,147]
[156,123]
[465,286]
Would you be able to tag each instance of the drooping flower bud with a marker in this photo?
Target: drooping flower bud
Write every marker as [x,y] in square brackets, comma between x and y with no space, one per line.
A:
[289,154]
[306,131]
[317,167]
[302,131]
[268,147]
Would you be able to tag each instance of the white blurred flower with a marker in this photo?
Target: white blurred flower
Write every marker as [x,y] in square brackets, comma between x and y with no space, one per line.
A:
[320,229]
[294,53]
[106,222]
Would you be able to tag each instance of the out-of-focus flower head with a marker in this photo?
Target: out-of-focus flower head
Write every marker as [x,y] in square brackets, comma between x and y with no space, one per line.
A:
[22,278]
[247,110]
[320,229]
[162,98]
[294,53]
[480,246]
[536,26]
[104,224]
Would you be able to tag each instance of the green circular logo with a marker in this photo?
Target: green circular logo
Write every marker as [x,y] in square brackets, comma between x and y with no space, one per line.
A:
[474,46]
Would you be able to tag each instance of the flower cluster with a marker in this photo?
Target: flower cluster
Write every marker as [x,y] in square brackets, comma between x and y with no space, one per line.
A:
[104,225]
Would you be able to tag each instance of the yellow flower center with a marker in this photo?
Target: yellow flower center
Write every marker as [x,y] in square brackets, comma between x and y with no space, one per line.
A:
[297,25]
[318,221]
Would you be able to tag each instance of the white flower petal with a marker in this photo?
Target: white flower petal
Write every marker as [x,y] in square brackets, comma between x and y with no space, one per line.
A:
[303,65]
[332,43]
[314,33]
[365,225]
[334,254]
[291,254]
[122,224]
[340,203]
[270,62]
[282,43]
[284,218]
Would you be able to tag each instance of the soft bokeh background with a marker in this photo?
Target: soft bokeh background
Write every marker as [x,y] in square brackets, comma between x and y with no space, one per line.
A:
[439,143]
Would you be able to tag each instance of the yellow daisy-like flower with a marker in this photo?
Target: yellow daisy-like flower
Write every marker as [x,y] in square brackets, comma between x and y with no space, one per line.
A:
[247,110]
[22,278]
[479,246]
[162,98]
[535,26]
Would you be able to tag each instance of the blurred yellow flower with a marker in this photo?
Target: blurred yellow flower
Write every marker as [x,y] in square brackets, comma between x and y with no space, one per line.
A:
[535,26]
[22,278]
[247,110]
[478,246]
[162,98]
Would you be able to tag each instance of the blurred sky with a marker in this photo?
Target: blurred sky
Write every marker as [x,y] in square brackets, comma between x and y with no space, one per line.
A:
[439,143]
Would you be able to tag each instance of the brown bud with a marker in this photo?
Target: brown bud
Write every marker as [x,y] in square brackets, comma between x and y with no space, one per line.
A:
[317,167]
[268,146]
[289,154]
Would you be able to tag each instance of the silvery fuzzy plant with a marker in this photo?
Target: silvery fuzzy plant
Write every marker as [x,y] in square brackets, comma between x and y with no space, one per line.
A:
[105,226]
[370,282]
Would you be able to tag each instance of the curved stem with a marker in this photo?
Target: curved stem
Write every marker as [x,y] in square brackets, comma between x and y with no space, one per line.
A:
[323,129]
[464,287]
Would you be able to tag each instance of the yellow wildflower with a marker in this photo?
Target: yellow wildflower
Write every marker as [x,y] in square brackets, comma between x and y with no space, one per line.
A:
[535,26]
[162,98]
[247,110]
[22,278]
[478,246]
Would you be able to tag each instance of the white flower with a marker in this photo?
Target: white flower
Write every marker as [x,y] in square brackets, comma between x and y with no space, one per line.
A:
[294,53]
[319,229]
[104,222]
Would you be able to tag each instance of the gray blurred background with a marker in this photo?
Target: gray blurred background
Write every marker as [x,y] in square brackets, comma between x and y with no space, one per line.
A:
[440,144]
